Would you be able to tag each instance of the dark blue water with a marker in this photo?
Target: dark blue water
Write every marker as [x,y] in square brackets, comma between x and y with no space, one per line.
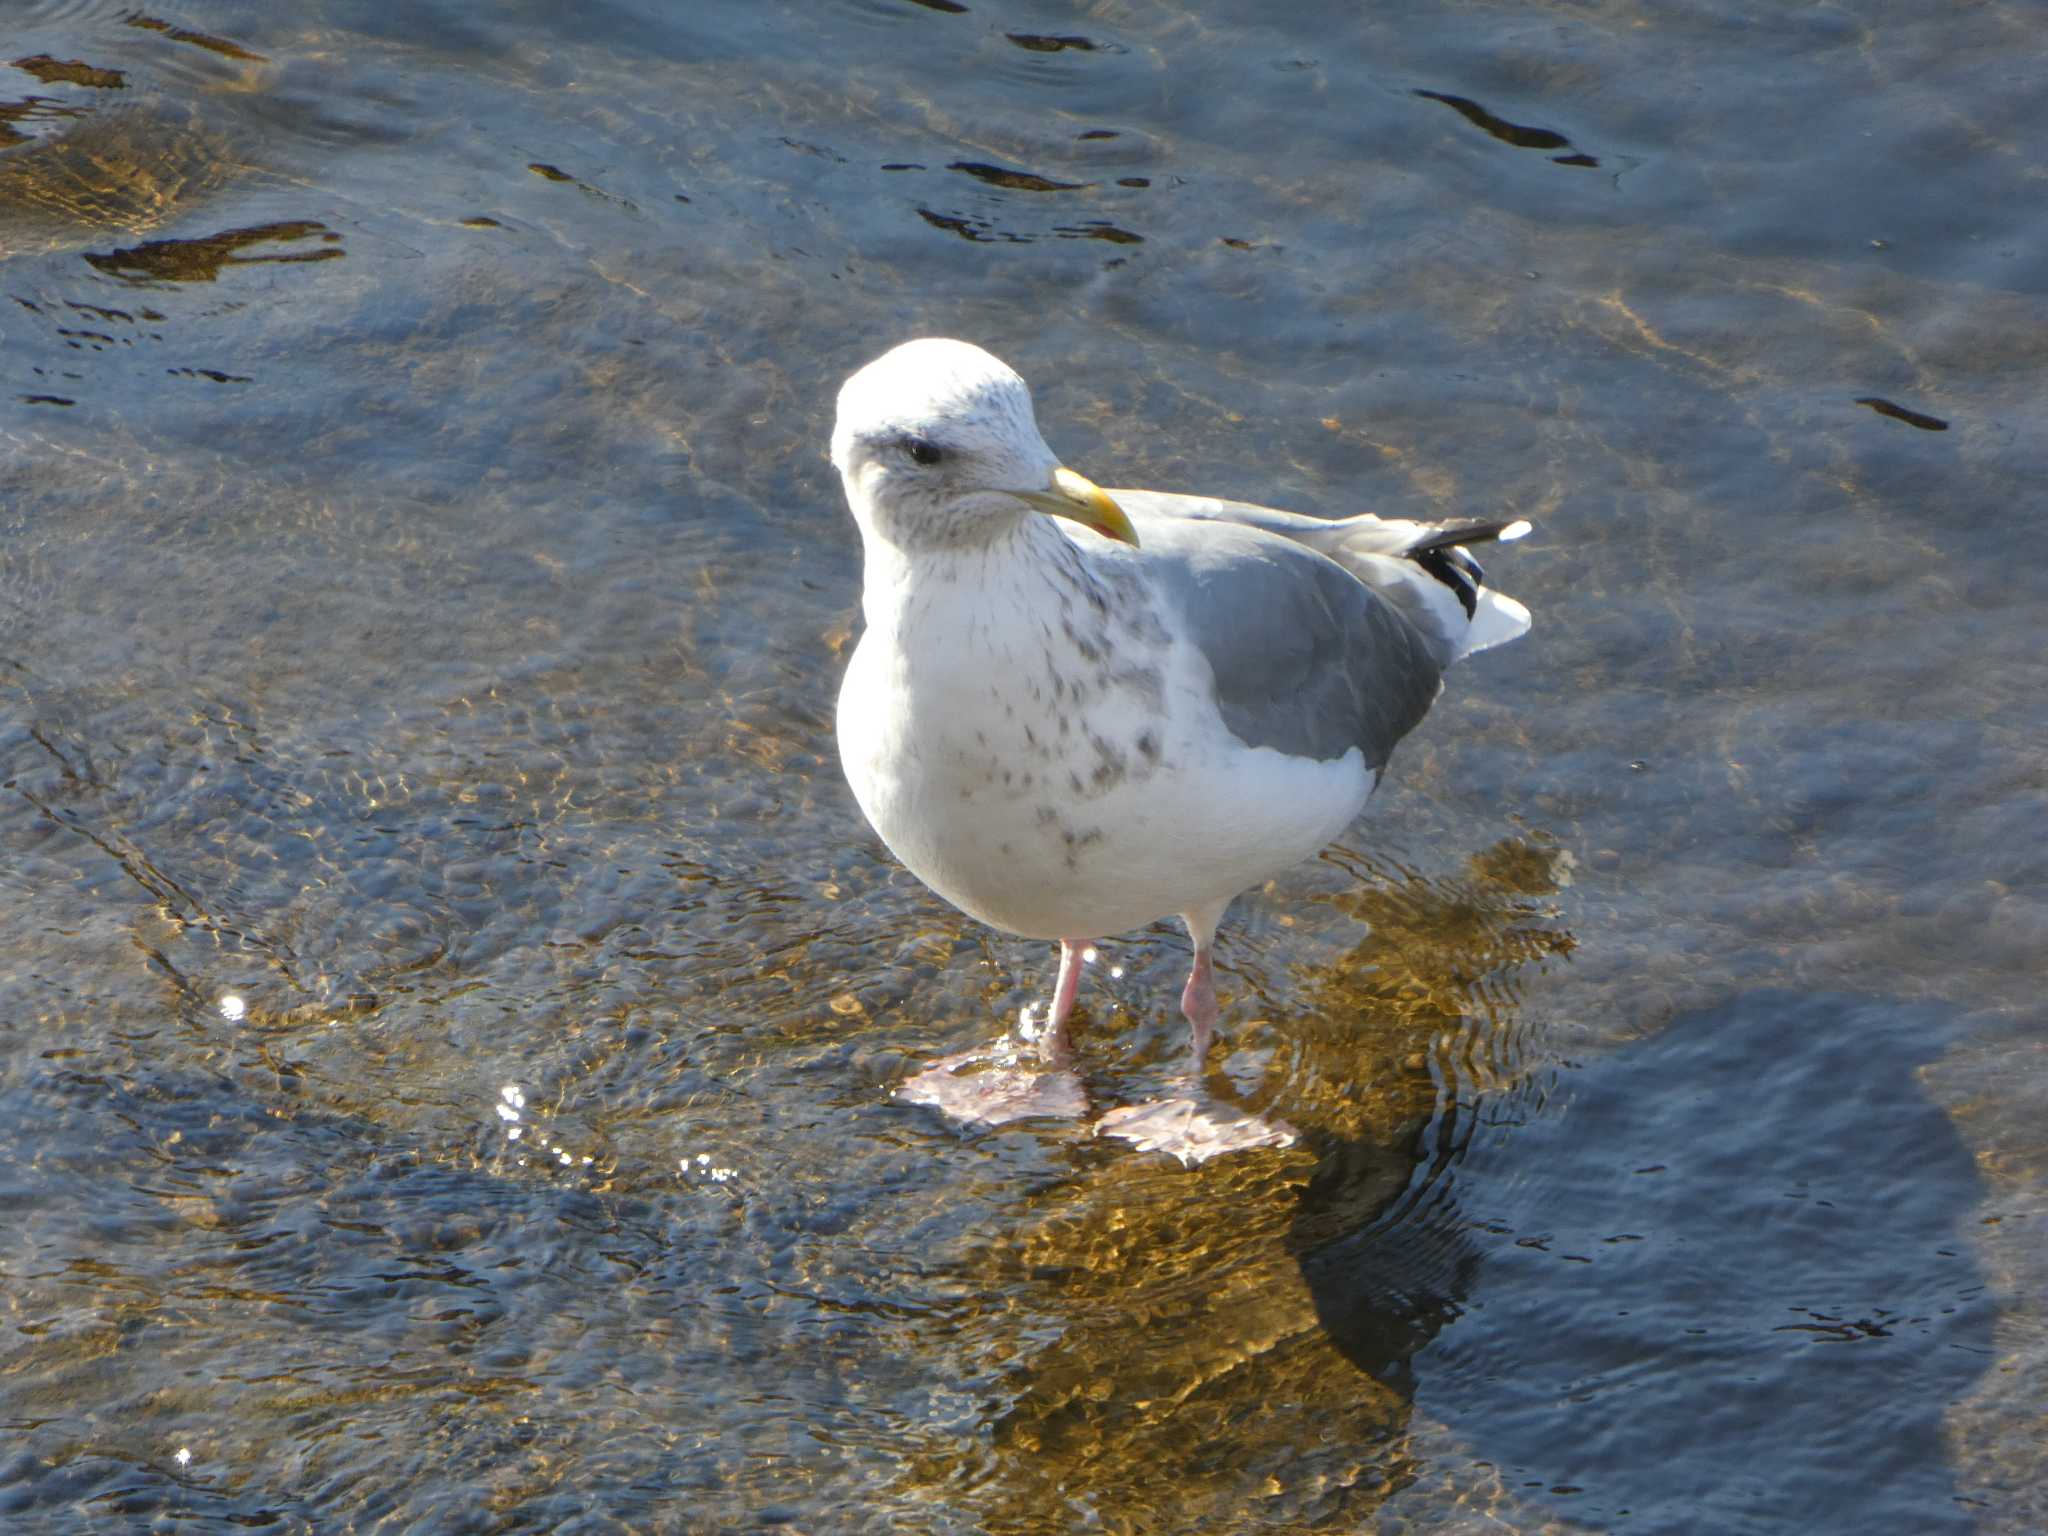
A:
[422,596]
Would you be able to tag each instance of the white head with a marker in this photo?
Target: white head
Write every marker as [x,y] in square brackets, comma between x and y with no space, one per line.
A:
[938,448]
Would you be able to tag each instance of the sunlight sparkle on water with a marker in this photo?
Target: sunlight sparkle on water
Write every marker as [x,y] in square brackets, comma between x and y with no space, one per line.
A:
[510,1101]
[703,1166]
[510,1106]
[232,1007]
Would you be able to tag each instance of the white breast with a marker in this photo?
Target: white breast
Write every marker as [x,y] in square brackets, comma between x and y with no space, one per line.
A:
[1060,771]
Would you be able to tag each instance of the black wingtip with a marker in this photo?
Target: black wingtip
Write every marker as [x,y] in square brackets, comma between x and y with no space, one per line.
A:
[1441,552]
[1444,565]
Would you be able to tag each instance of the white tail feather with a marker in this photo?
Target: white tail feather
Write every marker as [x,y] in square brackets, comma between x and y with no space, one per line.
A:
[1496,619]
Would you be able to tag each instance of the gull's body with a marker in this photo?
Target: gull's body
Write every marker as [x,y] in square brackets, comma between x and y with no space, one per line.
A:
[1010,752]
[1070,733]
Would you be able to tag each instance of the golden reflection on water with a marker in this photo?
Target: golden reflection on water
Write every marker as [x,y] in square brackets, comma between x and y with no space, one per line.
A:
[122,170]
[91,160]
[1165,1351]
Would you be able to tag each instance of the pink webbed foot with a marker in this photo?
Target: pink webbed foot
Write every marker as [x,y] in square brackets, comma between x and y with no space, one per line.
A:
[991,1087]
[996,1084]
[1194,1128]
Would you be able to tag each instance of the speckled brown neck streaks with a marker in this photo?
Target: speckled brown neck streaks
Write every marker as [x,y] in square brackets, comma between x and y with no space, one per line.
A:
[1078,715]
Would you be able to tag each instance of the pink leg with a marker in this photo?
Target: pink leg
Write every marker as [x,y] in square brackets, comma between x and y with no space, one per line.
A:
[1198,1002]
[1053,1045]
[1198,997]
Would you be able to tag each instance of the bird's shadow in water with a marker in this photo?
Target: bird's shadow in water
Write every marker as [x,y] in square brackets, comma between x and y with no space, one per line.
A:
[1721,1279]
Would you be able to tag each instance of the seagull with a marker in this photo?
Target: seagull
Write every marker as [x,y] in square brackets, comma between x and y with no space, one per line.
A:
[1136,707]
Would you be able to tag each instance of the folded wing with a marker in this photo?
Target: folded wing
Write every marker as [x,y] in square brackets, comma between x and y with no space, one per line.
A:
[1334,634]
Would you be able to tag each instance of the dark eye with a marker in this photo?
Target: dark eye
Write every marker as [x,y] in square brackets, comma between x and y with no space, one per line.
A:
[922,451]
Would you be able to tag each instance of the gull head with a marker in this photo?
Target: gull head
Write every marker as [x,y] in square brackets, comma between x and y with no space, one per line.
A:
[938,448]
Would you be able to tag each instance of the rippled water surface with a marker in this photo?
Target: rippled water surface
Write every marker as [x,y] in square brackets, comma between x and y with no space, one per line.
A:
[449,1003]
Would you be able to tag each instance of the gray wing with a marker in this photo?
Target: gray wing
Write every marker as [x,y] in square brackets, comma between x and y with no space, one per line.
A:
[1308,660]
[1173,506]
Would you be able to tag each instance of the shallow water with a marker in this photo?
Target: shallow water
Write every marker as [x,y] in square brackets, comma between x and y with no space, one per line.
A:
[422,597]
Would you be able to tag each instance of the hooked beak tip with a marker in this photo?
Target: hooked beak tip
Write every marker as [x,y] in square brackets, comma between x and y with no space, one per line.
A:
[1081,500]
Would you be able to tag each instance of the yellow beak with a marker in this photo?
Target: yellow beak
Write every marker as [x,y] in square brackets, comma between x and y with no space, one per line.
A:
[1081,500]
